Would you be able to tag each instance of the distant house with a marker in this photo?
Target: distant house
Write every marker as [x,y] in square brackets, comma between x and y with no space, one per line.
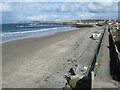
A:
[114,26]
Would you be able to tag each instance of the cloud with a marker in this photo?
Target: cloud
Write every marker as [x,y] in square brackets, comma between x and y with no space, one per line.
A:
[5,7]
[39,17]
[61,7]
[103,7]
[59,0]
[58,11]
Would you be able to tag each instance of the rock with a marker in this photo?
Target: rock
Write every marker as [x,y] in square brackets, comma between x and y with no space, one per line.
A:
[85,68]
[71,71]
[46,79]
[36,81]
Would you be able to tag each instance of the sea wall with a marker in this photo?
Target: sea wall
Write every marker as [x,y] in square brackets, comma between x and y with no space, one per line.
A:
[114,59]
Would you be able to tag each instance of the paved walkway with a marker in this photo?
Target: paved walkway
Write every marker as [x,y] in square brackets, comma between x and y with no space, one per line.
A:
[103,78]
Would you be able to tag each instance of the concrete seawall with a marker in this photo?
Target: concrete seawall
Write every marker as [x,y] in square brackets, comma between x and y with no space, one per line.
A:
[114,59]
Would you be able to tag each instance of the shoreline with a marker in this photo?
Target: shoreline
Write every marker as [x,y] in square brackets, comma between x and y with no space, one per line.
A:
[41,34]
[40,62]
[34,42]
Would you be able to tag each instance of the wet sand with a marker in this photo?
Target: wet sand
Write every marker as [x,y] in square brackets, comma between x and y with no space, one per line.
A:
[43,62]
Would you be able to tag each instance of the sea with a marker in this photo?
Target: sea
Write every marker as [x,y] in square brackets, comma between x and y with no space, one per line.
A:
[18,31]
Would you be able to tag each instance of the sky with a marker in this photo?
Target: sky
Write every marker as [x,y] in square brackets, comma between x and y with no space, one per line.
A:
[55,11]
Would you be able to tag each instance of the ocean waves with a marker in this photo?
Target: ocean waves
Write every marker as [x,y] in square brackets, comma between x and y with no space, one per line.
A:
[32,33]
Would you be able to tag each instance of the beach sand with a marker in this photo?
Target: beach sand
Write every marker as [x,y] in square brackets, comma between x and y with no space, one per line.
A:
[43,62]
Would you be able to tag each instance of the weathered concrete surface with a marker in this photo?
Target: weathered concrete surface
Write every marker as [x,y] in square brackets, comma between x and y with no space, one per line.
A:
[103,78]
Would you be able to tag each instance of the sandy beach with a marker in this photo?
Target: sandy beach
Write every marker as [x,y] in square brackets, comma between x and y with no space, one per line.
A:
[43,62]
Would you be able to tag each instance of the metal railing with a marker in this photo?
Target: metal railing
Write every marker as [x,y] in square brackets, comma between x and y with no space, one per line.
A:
[86,81]
[93,65]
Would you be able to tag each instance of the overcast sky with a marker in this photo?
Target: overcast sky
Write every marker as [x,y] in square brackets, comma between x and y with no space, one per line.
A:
[54,11]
